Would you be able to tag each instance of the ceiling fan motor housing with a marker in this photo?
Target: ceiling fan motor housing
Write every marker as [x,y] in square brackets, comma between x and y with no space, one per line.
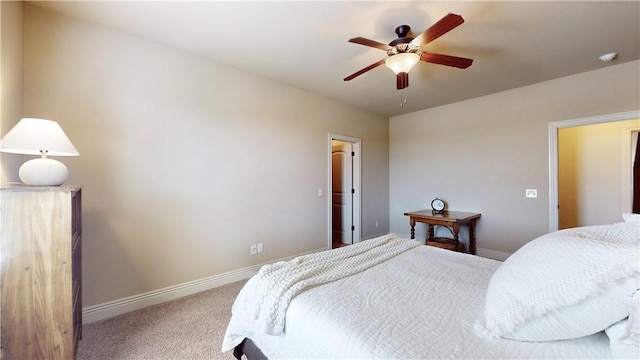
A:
[402,31]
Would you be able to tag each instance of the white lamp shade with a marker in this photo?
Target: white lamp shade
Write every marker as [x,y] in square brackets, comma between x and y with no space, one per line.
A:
[36,136]
[43,172]
[402,63]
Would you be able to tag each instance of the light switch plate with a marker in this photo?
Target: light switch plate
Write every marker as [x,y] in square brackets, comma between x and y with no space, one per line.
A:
[531,193]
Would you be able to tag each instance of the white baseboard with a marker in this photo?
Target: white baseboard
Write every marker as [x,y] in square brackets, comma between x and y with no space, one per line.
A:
[139,301]
[369,237]
[492,254]
[135,302]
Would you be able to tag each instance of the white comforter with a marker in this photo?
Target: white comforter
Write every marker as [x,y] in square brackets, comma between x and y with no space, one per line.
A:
[422,303]
[279,283]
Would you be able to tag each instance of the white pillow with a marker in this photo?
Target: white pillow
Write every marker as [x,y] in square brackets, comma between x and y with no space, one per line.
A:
[632,330]
[624,336]
[620,349]
[566,284]
[631,217]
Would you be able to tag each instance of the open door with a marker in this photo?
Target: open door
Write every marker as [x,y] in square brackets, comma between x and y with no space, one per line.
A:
[344,202]
[342,193]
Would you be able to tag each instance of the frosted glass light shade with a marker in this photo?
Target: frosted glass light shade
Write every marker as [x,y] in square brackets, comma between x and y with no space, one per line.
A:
[43,172]
[39,137]
[402,63]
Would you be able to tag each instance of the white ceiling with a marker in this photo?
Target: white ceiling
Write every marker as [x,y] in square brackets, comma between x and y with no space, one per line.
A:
[304,43]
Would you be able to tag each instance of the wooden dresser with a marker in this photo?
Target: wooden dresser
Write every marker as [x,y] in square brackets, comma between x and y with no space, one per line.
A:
[40,282]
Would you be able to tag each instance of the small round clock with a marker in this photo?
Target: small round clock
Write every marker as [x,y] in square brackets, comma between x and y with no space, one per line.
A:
[437,205]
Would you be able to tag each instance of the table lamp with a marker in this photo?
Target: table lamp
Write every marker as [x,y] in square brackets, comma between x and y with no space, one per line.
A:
[39,137]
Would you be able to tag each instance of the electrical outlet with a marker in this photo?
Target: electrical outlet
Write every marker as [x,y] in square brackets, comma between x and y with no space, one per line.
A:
[377,223]
[254,249]
[531,193]
[260,248]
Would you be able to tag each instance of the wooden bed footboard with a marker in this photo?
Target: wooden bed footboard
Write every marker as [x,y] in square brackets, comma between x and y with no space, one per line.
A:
[249,349]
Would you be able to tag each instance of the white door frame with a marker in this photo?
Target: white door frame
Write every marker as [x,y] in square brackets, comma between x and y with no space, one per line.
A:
[553,153]
[357,198]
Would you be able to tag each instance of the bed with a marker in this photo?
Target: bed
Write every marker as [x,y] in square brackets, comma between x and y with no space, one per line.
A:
[568,294]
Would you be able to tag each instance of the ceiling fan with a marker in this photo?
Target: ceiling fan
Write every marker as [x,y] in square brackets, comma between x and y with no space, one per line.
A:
[404,52]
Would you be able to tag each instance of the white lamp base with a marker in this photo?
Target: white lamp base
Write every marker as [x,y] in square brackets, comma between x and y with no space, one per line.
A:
[43,172]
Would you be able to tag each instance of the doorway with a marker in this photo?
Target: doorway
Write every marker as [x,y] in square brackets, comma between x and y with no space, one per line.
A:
[627,136]
[344,191]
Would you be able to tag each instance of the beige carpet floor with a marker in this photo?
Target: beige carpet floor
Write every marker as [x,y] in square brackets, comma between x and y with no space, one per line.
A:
[188,328]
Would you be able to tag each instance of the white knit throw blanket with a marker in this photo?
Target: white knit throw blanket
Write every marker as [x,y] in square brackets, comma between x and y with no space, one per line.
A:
[280,282]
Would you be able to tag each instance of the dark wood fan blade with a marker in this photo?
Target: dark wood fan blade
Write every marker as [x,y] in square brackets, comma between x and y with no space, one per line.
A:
[448,60]
[372,43]
[358,73]
[443,26]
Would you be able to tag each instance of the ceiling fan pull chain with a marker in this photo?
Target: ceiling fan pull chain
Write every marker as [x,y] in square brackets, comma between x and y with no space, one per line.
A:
[403,100]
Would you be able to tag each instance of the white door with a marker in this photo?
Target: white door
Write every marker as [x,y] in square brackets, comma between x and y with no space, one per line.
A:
[342,196]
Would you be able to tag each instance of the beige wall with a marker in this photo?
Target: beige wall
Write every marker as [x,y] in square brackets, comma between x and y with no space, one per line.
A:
[10,81]
[590,162]
[481,154]
[186,162]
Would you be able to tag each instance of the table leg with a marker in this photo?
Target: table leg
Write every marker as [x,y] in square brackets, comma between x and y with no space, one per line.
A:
[431,232]
[472,237]
[412,223]
[456,231]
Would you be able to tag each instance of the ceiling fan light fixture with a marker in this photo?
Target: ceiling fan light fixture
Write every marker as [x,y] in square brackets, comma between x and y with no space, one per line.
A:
[402,63]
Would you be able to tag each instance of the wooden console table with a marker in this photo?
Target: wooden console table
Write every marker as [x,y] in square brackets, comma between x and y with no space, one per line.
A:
[451,219]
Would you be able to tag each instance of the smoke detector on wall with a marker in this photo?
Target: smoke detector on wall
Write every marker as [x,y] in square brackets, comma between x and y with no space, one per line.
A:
[608,57]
